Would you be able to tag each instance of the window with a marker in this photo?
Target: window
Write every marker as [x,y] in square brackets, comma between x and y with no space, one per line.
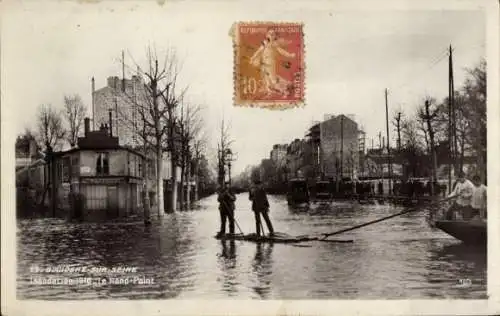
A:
[102,164]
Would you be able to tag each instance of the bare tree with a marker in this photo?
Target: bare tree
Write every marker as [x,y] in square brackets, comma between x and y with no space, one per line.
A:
[412,146]
[190,125]
[427,114]
[50,132]
[154,118]
[74,112]
[50,127]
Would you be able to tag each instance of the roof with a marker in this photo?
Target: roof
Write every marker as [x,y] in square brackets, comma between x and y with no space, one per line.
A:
[97,148]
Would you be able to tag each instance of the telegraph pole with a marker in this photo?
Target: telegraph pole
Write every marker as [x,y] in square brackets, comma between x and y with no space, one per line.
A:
[388,141]
[341,146]
[454,112]
[450,122]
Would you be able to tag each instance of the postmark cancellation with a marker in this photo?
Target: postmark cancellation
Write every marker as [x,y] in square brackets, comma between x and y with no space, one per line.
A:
[269,70]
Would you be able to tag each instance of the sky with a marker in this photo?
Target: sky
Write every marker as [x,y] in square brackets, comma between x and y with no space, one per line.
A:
[352,53]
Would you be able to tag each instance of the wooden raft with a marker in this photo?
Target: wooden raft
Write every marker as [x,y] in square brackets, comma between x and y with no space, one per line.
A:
[278,238]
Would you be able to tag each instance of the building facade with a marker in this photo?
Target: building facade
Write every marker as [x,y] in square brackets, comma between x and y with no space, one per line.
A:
[278,154]
[106,177]
[124,98]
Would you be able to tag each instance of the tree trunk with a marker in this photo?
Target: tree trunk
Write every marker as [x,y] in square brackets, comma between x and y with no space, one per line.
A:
[433,147]
[183,180]
[159,180]
[145,193]
[188,188]
[173,199]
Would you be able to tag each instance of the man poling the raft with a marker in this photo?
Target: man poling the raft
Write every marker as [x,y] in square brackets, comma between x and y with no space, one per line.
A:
[260,206]
[226,201]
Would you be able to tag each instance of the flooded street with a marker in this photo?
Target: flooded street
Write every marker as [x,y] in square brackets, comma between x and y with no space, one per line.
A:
[179,257]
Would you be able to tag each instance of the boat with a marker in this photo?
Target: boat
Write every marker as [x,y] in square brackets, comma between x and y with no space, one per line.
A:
[469,232]
[298,192]
[473,231]
[278,238]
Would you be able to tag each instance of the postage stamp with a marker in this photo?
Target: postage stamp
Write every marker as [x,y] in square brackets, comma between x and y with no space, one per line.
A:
[268,64]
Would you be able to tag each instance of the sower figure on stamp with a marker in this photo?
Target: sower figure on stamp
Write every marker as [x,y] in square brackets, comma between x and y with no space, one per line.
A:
[266,59]
[226,208]
[260,205]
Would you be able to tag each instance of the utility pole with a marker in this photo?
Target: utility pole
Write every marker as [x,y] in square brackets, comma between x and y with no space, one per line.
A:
[380,146]
[450,125]
[93,104]
[454,116]
[341,146]
[123,71]
[388,141]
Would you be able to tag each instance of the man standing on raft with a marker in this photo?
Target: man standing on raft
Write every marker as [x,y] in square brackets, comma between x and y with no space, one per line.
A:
[260,205]
[226,208]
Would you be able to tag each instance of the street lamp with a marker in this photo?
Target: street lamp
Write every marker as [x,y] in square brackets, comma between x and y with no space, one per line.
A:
[229,156]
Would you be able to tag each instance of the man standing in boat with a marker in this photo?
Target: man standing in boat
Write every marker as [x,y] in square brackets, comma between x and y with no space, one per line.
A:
[226,208]
[478,201]
[260,205]
[462,195]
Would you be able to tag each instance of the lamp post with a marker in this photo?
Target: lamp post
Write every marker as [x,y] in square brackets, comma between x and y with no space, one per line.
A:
[229,156]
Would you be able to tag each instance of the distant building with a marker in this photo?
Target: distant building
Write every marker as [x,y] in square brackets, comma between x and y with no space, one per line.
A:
[278,154]
[335,144]
[27,151]
[297,162]
[124,98]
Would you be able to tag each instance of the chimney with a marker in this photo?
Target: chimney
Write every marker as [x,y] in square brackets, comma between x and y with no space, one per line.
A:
[86,126]
[110,124]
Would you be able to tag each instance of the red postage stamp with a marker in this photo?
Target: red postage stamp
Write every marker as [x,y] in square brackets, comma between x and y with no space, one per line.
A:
[268,64]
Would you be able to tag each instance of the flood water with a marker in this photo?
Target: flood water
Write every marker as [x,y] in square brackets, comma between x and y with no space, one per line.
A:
[178,257]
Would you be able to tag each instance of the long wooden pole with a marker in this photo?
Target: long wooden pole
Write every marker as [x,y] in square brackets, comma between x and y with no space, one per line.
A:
[325,235]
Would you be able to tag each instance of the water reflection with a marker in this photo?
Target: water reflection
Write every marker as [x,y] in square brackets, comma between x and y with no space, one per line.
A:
[262,268]
[227,265]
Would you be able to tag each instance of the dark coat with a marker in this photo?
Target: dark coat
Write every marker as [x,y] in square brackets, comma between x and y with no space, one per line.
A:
[226,200]
[259,200]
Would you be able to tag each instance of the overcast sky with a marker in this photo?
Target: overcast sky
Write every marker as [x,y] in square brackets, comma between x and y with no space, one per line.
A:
[351,57]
